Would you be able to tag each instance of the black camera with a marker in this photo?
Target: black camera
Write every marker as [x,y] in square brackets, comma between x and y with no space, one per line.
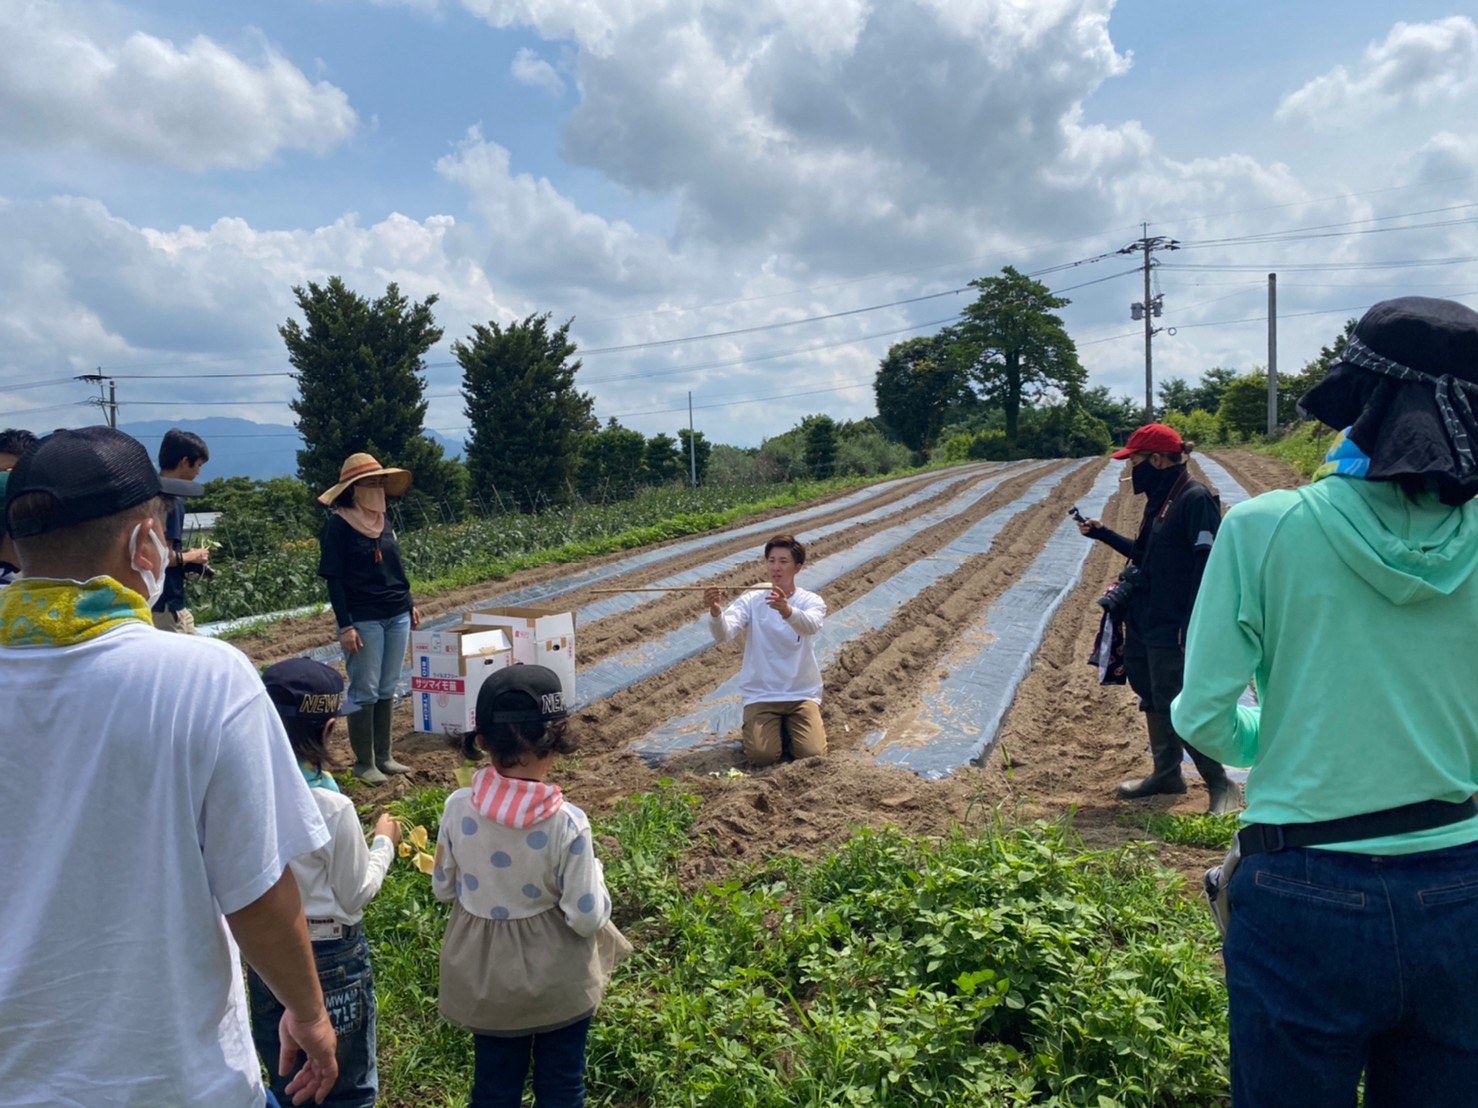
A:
[1115,599]
[1077,515]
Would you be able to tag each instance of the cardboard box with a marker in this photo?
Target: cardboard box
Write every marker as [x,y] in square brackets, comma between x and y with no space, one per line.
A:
[449,668]
[540,636]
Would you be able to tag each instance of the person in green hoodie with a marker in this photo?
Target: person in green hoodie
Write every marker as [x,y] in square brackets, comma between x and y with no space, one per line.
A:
[1352,604]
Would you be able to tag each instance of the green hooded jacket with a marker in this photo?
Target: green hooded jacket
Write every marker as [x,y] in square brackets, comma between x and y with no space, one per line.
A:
[1354,611]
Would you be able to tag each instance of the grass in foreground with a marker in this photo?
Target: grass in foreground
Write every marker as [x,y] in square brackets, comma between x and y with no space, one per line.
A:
[1003,967]
[1187,829]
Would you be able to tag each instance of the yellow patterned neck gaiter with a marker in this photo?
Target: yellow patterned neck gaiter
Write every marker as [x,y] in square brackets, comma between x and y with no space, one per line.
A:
[44,611]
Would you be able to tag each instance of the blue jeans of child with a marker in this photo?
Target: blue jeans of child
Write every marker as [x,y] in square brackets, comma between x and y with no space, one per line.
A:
[500,1066]
[1340,963]
[349,993]
[375,670]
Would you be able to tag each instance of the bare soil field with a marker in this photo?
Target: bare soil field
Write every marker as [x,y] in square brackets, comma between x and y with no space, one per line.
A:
[1063,747]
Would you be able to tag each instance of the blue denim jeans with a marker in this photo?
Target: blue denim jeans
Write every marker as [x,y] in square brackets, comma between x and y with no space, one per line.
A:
[349,993]
[375,670]
[500,1066]
[1339,964]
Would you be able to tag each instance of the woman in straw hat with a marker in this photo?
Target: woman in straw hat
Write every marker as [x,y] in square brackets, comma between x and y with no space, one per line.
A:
[371,597]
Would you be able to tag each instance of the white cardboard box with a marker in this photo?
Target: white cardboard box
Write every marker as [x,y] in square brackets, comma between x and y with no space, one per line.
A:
[540,636]
[449,668]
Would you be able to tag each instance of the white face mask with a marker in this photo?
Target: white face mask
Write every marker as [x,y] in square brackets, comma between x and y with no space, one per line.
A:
[153,583]
[371,500]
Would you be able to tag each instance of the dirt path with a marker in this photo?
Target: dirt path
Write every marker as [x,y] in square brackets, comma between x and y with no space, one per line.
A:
[1064,745]
[1068,741]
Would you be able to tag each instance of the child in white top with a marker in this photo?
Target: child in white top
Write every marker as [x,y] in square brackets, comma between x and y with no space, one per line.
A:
[529,946]
[780,682]
[335,882]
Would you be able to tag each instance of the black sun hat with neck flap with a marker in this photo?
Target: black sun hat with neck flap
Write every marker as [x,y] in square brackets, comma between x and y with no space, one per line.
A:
[1406,385]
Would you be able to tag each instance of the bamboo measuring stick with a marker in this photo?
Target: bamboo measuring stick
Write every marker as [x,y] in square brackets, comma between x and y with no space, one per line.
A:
[690,588]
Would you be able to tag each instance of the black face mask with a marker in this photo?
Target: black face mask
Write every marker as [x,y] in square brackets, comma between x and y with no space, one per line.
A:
[1146,479]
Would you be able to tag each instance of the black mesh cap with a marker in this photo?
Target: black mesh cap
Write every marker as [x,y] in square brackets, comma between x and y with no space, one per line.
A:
[90,473]
[521,694]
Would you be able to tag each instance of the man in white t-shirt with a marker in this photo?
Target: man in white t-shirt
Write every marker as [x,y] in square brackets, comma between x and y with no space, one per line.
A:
[780,682]
[152,805]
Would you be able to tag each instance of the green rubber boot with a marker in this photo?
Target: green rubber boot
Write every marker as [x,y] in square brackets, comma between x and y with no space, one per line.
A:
[362,740]
[383,758]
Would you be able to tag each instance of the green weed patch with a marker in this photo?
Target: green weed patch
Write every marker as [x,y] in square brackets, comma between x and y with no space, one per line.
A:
[1303,446]
[1187,829]
[1009,966]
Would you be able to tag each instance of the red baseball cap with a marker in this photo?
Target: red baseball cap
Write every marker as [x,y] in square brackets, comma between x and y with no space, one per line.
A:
[1154,438]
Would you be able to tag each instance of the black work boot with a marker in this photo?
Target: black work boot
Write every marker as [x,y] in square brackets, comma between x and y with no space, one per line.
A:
[1165,749]
[1224,795]
[384,760]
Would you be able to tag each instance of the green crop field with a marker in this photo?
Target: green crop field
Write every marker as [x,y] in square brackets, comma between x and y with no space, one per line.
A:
[999,966]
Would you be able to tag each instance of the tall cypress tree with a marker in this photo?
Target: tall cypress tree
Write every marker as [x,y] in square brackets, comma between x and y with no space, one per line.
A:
[359,364]
[525,413]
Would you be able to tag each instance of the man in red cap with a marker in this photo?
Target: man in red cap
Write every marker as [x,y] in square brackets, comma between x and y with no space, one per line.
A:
[1154,597]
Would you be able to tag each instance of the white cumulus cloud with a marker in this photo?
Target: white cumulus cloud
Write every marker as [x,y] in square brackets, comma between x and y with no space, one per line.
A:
[1417,65]
[530,69]
[142,98]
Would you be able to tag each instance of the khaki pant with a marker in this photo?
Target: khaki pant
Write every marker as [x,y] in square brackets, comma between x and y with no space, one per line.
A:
[181,621]
[766,726]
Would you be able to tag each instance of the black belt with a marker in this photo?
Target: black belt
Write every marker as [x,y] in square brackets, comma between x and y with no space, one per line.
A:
[1264,838]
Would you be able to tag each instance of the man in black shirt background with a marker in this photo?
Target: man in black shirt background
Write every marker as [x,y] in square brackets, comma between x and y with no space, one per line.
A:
[1180,522]
[182,455]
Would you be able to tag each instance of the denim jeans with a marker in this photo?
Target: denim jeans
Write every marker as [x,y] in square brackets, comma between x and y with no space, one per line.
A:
[349,993]
[1340,963]
[500,1066]
[375,670]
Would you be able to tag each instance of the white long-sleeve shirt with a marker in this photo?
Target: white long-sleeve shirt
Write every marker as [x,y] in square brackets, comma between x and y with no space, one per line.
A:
[779,655]
[337,880]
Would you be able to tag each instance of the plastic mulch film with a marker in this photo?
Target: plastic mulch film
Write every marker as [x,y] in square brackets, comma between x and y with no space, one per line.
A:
[957,723]
[1226,486]
[610,675]
[594,575]
[601,573]
[721,712]
[615,605]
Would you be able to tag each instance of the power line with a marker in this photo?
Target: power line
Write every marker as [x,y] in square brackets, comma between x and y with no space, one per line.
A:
[1319,227]
[748,400]
[588,352]
[1316,267]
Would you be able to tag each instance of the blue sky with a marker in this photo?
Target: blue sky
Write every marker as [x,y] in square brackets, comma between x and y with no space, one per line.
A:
[661,170]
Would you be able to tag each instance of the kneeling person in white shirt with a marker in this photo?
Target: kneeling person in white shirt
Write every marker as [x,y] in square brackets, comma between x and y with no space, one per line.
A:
[780,682]
[335,882]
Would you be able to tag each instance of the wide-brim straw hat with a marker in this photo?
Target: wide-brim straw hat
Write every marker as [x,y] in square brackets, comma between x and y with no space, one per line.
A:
[359,466]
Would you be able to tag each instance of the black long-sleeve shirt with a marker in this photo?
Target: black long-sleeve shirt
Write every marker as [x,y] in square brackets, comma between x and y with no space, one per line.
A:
[1171,549]
[359,587]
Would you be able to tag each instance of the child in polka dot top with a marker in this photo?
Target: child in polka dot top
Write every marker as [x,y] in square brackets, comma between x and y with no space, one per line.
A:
[529,946]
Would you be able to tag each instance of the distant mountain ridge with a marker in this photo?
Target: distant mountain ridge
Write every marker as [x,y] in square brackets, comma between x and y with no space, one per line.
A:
[243,448]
